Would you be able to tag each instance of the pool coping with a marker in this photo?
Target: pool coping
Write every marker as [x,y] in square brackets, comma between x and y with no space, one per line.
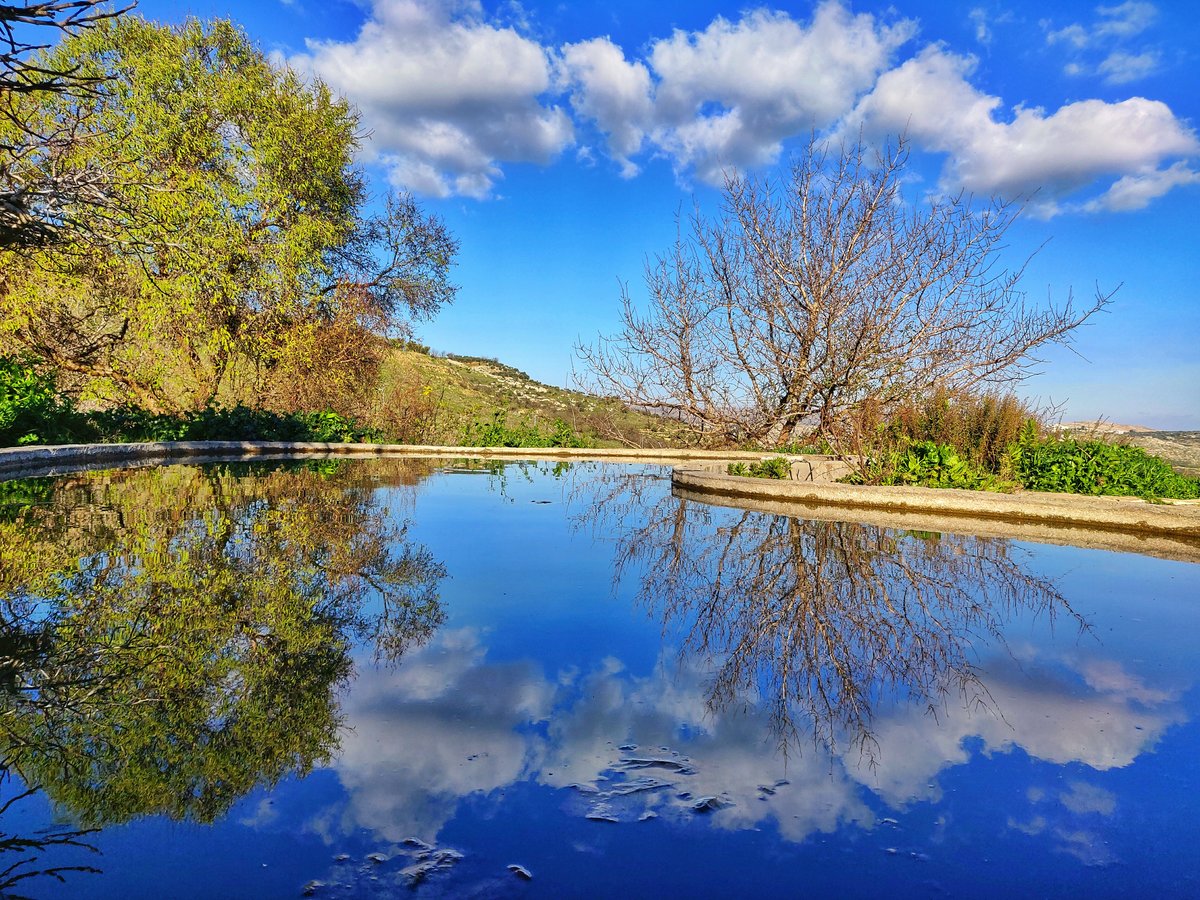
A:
[1119,523]
[41,460]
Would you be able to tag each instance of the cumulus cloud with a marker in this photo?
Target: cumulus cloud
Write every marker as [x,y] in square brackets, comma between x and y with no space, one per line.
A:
[730,94]
[451,724]
[447,95]
[614,93]
[1135,191]
[1043,714]
[450,95]
[440,728]
[931,98]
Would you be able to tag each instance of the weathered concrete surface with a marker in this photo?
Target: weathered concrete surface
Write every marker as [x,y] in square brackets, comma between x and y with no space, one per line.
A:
[812,468]
[1179,519]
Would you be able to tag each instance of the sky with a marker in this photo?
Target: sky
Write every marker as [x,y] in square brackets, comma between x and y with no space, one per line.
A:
[560,141]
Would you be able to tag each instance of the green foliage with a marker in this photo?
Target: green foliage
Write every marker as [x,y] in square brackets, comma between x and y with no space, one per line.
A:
[19,496]
[496,432]
[237,423]
[245,254]
[1096,468]
[777,467]
[31,410]
[188,645]
[928,464]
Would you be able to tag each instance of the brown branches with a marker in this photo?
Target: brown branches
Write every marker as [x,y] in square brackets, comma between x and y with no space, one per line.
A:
[44,195]
[805,302]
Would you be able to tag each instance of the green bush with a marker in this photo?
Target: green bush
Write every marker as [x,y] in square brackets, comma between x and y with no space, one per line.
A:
[777,467]
[928,464]
[31,411]
[981,426]
[237,423]
[1095,468]
[498,433]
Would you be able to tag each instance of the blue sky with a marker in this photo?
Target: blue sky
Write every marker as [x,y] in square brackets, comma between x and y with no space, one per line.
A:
[559,140]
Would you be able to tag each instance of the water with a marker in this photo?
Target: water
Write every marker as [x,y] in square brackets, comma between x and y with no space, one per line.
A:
[374,678]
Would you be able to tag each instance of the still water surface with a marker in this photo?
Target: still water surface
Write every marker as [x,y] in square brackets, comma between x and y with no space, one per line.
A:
[361,679]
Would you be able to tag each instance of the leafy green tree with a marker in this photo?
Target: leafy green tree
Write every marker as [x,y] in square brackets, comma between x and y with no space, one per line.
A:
[249,255]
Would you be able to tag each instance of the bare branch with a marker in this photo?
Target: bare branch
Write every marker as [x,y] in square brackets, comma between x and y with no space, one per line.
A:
[807,301]
[44,198]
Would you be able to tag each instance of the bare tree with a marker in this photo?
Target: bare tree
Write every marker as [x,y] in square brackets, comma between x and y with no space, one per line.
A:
[819,305]
[42,193]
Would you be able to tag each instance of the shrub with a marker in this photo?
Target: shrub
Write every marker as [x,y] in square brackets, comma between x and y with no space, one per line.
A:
[498,433]
[1096,468]
[980,426]
[777,467]
[31,411]
[235,423]
[928,464]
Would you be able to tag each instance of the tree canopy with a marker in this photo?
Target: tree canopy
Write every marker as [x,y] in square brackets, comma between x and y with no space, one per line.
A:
[247,247]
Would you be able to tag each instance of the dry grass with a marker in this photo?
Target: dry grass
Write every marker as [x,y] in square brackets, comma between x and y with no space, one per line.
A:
[979,425]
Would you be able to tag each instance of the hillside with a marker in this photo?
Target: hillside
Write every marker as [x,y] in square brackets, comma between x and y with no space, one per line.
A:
[431,399]
[1180,448]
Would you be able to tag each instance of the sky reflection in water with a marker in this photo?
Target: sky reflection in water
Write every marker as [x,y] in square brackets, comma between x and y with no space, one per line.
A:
[364,677]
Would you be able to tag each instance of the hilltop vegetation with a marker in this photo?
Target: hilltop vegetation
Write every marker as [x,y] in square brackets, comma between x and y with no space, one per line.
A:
[438,399]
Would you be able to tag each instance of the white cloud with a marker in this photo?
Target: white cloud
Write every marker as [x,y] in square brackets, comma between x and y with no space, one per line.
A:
[451,96]
[442,727]
[447,96]
[931,99]
[451,724]
[1114,26]
[1107,728]
[1120,67]
[980,19]
[1075,35]
[729,95]
[613,92]
[1125,19]
[1135,191]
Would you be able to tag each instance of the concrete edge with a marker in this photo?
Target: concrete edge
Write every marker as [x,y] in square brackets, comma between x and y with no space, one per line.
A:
[1119,514]
[24,462]
[1162,546]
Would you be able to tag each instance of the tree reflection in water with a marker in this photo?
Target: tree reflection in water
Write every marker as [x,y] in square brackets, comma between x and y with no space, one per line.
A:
[170,640]
[822,622]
